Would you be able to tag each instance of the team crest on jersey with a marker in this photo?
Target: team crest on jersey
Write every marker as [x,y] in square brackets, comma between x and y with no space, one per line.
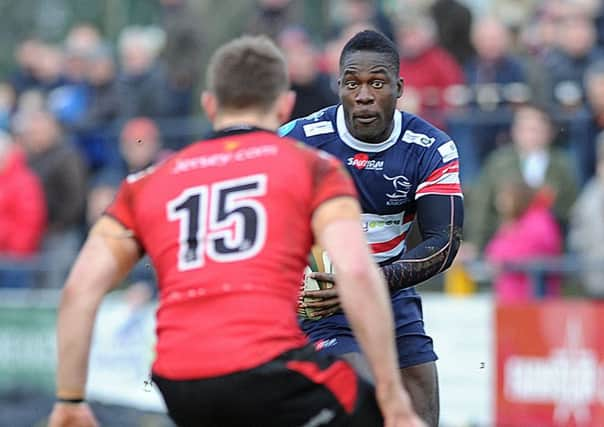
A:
[361,162]
[402,186]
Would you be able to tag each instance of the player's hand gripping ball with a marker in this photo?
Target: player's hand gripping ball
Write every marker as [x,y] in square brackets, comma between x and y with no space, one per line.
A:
[318,261]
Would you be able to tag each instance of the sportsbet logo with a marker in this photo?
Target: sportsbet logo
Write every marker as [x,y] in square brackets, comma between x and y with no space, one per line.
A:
[361,161]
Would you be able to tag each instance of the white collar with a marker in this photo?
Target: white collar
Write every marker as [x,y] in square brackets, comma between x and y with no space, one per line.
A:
[359,145]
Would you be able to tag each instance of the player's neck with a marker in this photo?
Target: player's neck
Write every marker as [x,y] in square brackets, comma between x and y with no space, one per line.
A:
[263,121]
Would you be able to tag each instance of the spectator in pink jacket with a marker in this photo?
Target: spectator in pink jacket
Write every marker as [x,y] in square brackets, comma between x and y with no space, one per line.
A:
[528,232]
[22,214]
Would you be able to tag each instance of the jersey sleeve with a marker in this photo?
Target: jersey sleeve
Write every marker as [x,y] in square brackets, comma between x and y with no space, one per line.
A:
[439,171]
[330,180]
[121,207]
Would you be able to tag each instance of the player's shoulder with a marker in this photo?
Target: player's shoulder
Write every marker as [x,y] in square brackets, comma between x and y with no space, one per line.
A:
[319,123]
[421,133]
[308,152]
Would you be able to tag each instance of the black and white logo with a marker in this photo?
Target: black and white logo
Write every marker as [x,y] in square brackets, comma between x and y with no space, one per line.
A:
[402,186]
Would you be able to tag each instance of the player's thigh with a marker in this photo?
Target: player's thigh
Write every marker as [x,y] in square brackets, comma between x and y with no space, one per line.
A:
[421,382]
[414,345]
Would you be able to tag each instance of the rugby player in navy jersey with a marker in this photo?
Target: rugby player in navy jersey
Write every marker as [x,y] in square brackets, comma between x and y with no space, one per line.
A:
[405,169]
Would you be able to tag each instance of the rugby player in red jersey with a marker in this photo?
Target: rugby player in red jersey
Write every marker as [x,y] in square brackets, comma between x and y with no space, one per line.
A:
[228,223]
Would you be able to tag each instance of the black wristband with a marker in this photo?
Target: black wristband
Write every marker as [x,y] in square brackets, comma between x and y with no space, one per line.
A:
[73,401]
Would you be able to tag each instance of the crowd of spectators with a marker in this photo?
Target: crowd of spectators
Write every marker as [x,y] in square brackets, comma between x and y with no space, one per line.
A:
[519,86]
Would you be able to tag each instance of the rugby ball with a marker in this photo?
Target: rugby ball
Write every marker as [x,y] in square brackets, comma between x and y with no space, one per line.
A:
[318,261]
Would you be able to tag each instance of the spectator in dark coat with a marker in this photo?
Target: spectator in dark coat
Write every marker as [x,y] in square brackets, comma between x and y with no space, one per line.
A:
[182,53]
[142,83]
[575,51]
[312,87]
[271,17]
[92,131]
[587,125]
[62,172]
[488,73]
[454,23]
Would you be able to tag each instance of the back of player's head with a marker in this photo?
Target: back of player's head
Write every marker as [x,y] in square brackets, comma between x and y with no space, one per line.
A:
[372,41]
[248,72]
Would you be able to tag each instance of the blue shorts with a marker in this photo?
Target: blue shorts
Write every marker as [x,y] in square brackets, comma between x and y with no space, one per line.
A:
[333,335]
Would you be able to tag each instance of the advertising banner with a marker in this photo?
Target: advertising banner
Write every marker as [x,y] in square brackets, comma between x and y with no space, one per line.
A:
[550,364]
[120,359]
[27,347]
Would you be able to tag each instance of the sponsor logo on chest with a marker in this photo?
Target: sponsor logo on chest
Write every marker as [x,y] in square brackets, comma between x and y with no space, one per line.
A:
[378,224]
[361,162]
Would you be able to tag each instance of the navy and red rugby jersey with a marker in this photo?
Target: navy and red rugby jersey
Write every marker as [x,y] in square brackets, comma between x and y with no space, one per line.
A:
[417,159]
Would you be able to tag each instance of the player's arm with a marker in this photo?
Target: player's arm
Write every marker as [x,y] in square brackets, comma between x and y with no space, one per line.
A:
[440,221]
[108,254]
[363,294]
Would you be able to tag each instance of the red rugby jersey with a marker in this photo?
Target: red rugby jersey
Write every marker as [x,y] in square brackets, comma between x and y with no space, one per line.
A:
[226,223]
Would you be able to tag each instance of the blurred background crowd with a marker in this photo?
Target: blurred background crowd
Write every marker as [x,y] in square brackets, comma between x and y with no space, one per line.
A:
[91,91]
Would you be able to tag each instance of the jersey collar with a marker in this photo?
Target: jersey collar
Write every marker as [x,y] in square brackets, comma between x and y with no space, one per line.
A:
[359,145]
[234,130]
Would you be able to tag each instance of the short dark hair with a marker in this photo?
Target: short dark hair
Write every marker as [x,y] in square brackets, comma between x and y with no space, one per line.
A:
[373,41]
[248,72]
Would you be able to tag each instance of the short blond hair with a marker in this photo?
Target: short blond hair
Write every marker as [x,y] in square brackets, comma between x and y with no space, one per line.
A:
[247,72]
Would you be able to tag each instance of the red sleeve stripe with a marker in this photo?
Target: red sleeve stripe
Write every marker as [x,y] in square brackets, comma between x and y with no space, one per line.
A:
[444,189]
[389,245]
[452,167]
[448,179]
[445,177]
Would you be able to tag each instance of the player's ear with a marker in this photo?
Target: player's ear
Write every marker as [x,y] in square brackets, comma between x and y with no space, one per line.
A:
[400,85]
[209,105]
[285,105]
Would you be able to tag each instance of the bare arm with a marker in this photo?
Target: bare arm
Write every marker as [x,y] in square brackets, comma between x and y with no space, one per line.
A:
[363,292]
[108,254]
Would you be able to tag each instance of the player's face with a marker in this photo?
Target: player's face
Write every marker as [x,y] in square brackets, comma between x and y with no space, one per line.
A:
[369,89]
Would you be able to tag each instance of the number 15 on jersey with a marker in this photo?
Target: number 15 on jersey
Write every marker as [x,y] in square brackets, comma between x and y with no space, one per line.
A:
[222,221]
